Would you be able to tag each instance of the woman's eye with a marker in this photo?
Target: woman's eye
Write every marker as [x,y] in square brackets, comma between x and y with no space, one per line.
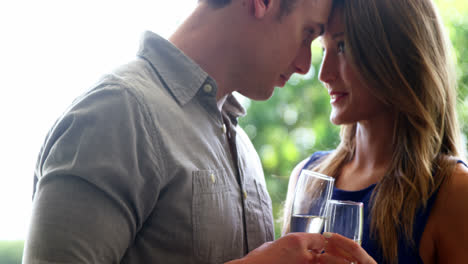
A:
[341,47]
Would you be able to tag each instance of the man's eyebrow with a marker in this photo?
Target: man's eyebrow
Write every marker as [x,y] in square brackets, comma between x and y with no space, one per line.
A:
[337,35]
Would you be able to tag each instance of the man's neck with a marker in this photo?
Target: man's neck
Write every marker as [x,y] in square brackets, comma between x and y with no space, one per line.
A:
[209,39]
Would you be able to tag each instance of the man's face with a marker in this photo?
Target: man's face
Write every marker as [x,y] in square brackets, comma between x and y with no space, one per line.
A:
[282,46]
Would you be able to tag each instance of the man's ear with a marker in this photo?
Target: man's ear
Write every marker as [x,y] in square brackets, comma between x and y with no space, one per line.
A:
[261,7]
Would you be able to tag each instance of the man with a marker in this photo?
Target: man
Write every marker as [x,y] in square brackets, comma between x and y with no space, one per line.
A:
[150,165]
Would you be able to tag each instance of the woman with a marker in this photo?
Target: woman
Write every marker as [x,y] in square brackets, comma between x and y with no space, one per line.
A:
[388,71]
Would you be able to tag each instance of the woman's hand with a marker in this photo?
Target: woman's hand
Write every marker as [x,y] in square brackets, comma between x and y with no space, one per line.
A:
[340,249]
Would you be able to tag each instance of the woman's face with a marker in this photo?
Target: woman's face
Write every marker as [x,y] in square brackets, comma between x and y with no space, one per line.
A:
[351,99]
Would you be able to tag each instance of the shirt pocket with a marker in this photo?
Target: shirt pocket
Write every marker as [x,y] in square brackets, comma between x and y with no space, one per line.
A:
[217,217]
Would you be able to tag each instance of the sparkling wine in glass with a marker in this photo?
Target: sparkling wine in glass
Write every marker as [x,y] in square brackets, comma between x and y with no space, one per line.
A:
[309,209]
[345,218]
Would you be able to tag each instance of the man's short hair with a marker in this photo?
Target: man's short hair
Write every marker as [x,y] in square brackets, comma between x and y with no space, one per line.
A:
[286,6]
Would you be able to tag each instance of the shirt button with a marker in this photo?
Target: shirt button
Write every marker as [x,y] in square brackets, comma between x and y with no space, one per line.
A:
[245,195]
[224,128]
[207,88]
[213,179]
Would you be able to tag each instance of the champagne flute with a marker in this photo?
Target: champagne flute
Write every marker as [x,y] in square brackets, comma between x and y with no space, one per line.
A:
[345,218]
[309,209]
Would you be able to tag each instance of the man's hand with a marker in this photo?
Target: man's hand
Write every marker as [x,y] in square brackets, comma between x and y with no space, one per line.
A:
[294,248]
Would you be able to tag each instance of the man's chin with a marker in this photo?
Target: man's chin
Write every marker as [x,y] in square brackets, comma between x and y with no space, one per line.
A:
[261,96]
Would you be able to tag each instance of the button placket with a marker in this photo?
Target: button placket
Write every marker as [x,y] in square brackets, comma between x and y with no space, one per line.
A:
[207,88]
[213,178]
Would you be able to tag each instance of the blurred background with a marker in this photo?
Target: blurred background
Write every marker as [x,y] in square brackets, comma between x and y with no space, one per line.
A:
[52,51]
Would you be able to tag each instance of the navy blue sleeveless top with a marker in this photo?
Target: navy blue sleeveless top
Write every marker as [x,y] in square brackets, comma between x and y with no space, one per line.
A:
[406,252]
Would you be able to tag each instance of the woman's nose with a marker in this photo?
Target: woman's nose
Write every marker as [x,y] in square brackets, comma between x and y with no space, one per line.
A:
[328,69]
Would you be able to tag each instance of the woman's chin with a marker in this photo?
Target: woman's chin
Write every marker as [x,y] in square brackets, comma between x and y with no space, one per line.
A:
[336,120]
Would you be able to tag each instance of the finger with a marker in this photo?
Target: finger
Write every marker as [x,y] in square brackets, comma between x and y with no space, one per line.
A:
[338,252]
[305,241]
[315,242]
[326,258]
[349,247]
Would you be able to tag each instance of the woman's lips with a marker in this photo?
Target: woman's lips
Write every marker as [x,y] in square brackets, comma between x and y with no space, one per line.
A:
[335,97]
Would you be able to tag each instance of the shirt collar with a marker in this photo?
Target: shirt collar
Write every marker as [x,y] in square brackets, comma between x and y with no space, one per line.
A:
[233,108]
[180,74]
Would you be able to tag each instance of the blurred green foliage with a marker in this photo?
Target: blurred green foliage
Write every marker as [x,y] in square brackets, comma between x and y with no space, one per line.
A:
[11,252]
[294,123]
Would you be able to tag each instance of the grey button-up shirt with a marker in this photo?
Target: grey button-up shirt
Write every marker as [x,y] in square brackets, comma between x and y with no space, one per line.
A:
[139,170]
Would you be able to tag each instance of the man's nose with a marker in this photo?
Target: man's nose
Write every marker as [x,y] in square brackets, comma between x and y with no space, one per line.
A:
[303,60]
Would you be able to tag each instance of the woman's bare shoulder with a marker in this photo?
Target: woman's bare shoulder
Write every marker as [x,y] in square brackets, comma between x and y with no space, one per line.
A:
[456,186]
[296,171]
[452,217]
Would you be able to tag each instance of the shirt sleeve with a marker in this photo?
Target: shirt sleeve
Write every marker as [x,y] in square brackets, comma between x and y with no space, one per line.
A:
[99,176]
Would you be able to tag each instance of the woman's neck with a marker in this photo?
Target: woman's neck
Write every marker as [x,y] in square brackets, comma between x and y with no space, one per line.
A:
[374,148]
[374,144]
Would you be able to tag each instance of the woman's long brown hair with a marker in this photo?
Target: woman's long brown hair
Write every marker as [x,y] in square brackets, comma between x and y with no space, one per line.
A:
[401,50]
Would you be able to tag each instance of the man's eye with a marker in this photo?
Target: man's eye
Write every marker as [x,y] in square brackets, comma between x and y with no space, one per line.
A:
[341,47]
